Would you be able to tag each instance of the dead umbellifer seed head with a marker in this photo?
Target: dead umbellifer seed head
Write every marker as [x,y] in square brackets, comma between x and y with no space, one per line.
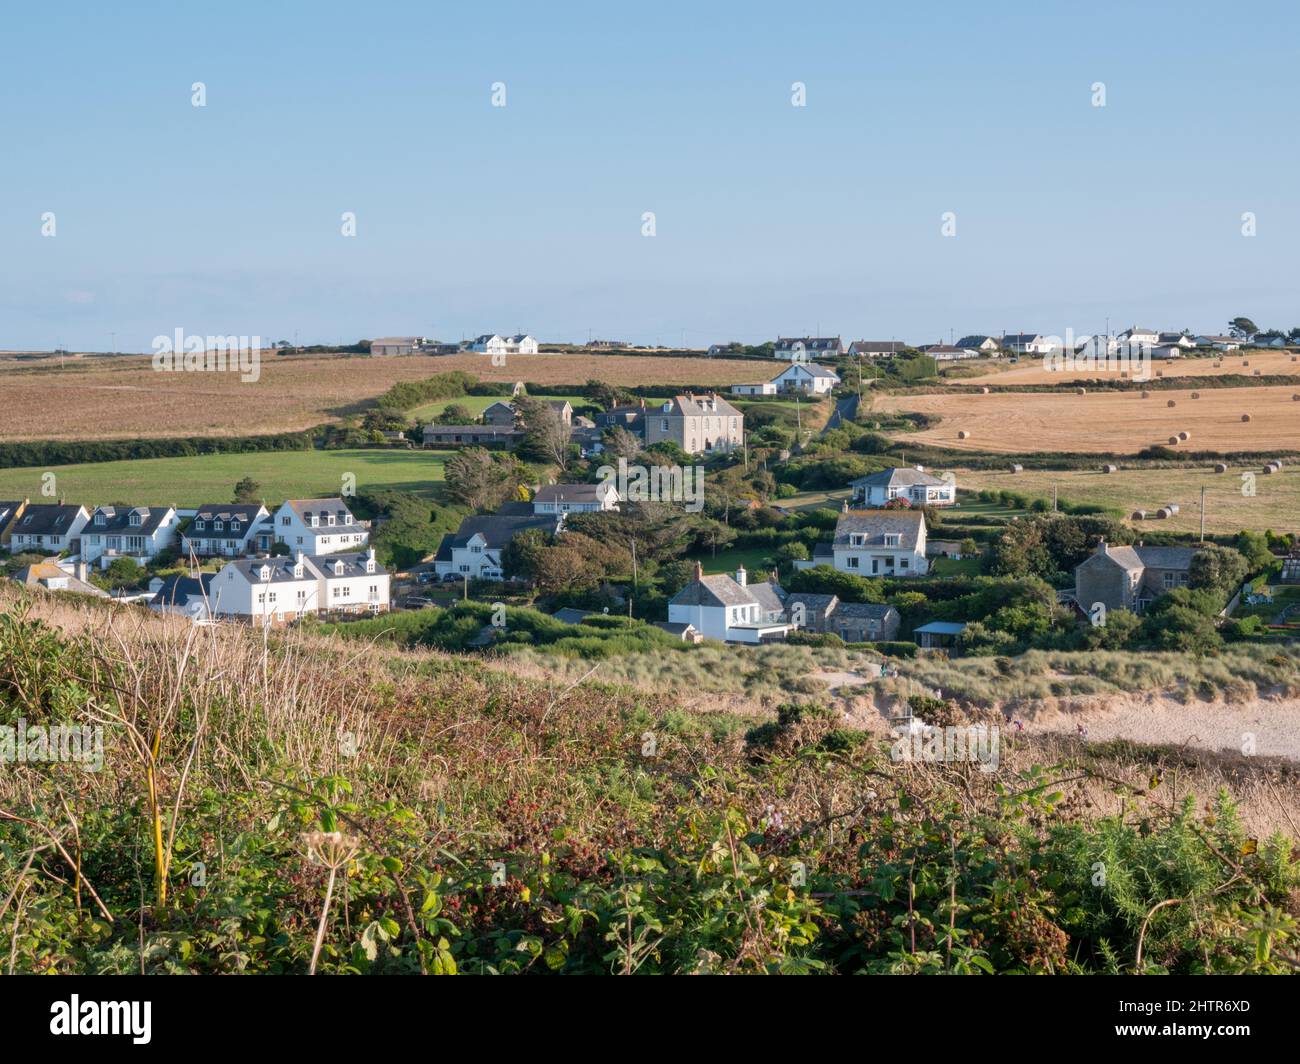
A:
[330,848]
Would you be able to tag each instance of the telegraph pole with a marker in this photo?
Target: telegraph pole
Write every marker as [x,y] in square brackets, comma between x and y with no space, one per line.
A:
[1202,513]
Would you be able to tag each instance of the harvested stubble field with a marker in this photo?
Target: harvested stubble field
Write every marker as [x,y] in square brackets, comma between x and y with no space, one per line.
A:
[1275,505]
[124,398]
[1269,363]
[1106,422]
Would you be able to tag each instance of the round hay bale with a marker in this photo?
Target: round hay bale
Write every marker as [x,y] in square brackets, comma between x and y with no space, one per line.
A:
[963,435]
[1245,362]
[1171,507]
[1259,372]
[1295,398]
[1147,395]
[1163,513]
[1015,467]
[1277,462]
[1184,435]
[1220,467]
[1196,395]
[1217,365]
[1173,441]
[984,391]
[1270,469]
[1138,515]
[1160,373]
[1295,358]
[1110,469]
[1245,417]
[1171,403]
[1080,391]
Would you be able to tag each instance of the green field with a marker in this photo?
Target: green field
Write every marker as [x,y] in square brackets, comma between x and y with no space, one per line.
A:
[727,560]
[211,478]
[477,404]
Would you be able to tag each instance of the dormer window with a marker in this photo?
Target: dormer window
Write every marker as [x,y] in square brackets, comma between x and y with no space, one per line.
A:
[218,525]
[338,568]
[198,525]
[330,520]
[893,539]
[347,519]
[265,572]
[857,539]
[100,519]
[314,520]
[234,526]
[135,520]
[297,571]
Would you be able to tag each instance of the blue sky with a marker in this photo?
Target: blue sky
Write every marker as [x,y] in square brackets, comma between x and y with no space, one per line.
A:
[770,219]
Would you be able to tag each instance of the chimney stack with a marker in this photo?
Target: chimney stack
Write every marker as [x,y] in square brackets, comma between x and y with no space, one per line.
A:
[742,577]
[699,570]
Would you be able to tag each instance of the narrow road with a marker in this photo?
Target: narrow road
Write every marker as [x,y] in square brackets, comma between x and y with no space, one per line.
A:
[845,410]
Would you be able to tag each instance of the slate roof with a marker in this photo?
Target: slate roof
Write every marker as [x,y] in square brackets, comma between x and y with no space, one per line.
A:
[721,589]
[974,340]
[119,520]
[812,343]
[875,611]
[43,519]
[876,347]
[281,570]
[353,562]
[897,477]
[690,406]
[572,493]
[321,508]
[876,523]
[244,512]
[496,529]
[178,588]
[1151,557]
[811,603]
[811,367]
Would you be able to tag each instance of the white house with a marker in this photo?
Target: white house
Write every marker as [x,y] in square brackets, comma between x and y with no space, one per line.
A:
[1028,344]
[917,486]
[1219,343]
[761,388]
[800,348]
[137,532]
[985,345]
[489,343]
[575,498]
[318,526]
[806,377]
[880,543]
[223,529]
[731,609]
[277,590]
[1145,337]
[50,528]
[492,344]
[948,352]
[473,551]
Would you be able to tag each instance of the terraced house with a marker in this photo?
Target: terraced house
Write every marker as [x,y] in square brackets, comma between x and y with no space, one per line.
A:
[136,532]
[704,424]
